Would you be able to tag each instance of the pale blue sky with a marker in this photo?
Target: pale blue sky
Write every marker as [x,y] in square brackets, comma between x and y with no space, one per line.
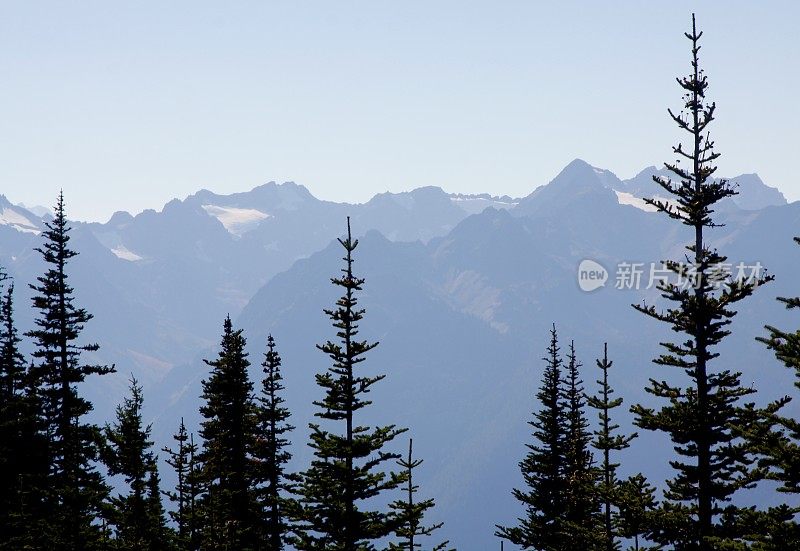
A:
[128,104]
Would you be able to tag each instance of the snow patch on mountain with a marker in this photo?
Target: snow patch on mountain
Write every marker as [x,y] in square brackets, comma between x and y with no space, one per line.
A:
[236,220]
[11,217]
[121,251]
[625,198]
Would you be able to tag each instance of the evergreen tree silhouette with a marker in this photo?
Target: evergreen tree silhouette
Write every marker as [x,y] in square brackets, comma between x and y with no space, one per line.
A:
[346,475]
[411,513]
[75,490]
[271,454]
[582,517]
[777,440]
[227,431]
[544,467]
[699,415]
[129,454]
[637,503]
[159,536]
[183,461]
[22,463]
[606,442]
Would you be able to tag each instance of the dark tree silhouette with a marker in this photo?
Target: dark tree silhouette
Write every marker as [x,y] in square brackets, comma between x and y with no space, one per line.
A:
[22,463]
[129,453]
[271,454]
[636,501]
[75,489]
[187,490]
[227,431]
[607,441]
[346,475]
[544,467]
[582,518]
[410,513]
[700,415]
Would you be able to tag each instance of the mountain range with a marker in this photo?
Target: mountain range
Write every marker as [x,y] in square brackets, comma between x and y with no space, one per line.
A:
[460,291]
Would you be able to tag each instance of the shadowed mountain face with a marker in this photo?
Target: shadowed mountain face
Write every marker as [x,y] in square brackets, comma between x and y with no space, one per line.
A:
[460,298]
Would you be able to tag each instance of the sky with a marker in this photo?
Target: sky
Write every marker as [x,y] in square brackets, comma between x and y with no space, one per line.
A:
[126,105]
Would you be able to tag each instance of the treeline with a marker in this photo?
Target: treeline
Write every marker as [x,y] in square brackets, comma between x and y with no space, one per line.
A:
[725,444]
[234,489]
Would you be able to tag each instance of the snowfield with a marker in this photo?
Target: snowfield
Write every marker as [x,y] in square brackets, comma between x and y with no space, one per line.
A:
[237,221]
[9,217]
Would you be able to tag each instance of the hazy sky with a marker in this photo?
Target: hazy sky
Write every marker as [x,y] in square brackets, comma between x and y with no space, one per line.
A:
[128,104]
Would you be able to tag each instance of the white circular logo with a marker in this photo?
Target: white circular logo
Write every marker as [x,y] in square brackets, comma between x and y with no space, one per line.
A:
[591,275]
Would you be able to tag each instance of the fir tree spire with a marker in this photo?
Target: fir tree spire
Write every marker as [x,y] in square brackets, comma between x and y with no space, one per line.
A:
[582,514]
[183,461]
[346,473]
[139,523]
[75,489]
[227,431]
[544,467]
[20,445]
[701,412]
[607,441]
[410,514]
[271,454]
[159,536]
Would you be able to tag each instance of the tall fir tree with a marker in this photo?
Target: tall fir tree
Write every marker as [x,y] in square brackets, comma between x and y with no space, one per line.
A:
[607,441]
[275,484]
[183,461]
[12,369]
[227,431]
[20,460]
[347,475]
[129,454]
[75,488]
[582,516]
[411,513]
[713,462]
[24,463]
[543,468]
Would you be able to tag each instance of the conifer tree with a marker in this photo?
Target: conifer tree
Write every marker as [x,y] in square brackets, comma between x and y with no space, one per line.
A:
[159,536]
[780,448]
[271,454]
[582,520]
[137,518]
[227,431]
[75,489]
[544,467]
[410,513]
[607,441]
[23,459]
[338,490]
[184,462]
[776,441]
[12,368]
[701,412]
[18,438]
[636,502]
